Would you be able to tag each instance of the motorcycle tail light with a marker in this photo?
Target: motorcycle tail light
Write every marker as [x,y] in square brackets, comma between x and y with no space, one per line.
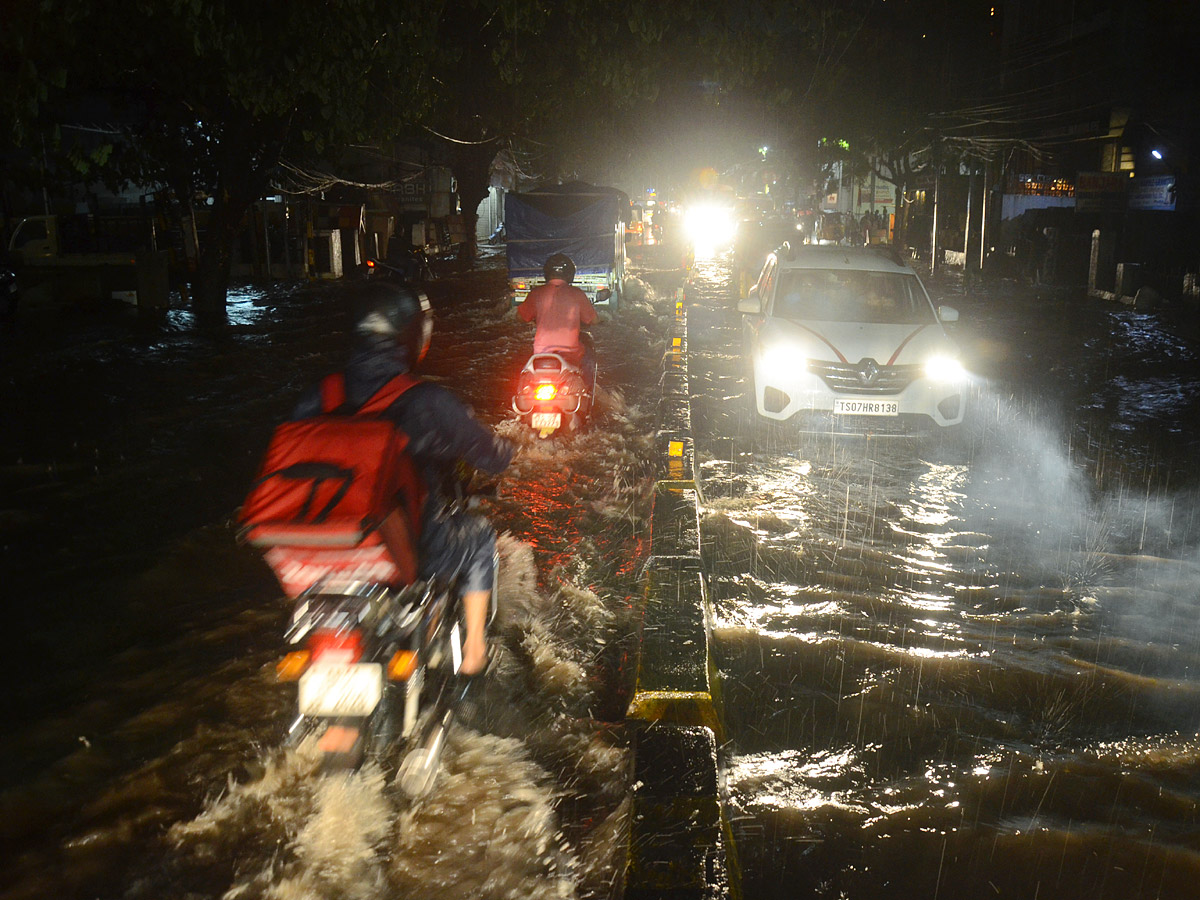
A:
[292,666]
[546,391]
[401,666]
[343,647]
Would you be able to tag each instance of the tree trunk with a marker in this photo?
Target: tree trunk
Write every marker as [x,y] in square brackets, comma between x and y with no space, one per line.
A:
[216,256]
[244,160]
[472,166]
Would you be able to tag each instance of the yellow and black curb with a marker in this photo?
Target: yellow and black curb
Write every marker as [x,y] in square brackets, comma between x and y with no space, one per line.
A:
[679,843]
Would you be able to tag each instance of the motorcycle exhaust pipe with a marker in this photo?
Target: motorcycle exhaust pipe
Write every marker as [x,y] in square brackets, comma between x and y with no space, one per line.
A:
[421,764]
[420,767]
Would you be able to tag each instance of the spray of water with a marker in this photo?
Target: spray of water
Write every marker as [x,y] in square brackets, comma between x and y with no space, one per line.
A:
[491,825]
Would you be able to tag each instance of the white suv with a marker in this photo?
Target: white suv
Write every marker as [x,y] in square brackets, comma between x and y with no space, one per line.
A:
[846,340]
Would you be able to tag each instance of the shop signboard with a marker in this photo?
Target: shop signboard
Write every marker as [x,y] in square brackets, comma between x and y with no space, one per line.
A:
[1100,191]
[1155,192]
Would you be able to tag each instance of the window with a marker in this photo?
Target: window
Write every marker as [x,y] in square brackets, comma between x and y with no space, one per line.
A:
[841,295]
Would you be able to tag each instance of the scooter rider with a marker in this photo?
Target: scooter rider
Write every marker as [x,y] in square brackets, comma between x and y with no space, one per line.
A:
[559,309]
[391,336]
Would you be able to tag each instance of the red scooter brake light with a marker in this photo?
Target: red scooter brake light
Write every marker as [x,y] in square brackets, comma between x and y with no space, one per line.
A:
[342,647]
[545,391]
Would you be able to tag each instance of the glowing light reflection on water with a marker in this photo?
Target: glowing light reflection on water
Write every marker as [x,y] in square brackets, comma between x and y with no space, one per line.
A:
[989,613]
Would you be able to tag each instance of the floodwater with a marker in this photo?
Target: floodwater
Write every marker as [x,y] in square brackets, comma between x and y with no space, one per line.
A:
[967,668]
[962,669]
[142,754]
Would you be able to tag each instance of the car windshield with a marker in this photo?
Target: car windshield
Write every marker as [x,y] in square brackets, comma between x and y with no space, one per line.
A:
[849,295]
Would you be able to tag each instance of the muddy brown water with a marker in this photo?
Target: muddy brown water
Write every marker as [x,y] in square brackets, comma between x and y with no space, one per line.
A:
[142,757]
[964,670]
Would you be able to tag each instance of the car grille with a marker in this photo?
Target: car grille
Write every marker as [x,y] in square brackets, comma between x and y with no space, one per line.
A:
[867,377]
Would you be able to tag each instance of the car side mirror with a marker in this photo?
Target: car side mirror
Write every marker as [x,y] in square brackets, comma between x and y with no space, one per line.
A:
[947,314]
[751,304]
[602,295]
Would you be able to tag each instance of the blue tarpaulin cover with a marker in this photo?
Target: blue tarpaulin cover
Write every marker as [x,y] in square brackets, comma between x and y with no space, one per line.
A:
[577,219]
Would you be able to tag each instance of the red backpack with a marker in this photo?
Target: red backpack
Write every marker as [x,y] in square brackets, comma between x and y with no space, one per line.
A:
[338,497]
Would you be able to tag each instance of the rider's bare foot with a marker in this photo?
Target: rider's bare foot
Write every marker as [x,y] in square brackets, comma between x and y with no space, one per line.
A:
[475,658]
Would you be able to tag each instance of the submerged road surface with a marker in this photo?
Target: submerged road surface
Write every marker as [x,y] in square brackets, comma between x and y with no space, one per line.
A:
[141,758]
[972,668]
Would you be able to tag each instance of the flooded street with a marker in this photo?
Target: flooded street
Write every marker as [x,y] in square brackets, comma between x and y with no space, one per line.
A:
[967,668]
[963,668]
[145,759]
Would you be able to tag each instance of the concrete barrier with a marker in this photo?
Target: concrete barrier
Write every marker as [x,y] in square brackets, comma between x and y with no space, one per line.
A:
[675,520]
[680,846]
[676,823]
[676,679]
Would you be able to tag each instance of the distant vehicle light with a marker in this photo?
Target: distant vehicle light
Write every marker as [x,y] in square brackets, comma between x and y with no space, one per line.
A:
[709,225]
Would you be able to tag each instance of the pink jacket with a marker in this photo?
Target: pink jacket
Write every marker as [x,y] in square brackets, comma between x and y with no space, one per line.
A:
[559,309]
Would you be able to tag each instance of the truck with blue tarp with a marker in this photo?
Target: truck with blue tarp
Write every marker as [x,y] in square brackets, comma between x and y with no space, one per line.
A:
[584,221]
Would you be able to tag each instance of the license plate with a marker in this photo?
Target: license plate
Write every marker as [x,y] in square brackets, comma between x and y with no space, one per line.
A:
[341,690]
[545,420]
[852,407]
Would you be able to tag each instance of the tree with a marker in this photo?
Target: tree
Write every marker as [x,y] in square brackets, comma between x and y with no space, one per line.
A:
[523,73]
[208,96]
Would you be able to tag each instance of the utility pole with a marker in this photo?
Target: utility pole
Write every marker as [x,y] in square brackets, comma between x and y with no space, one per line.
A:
[983,214]
[933,237]
[967,226]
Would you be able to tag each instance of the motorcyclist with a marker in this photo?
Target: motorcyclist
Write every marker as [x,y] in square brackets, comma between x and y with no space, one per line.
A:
[392,330]
[559,309]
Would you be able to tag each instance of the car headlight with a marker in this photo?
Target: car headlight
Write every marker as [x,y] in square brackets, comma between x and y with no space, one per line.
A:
[710,226]
[944,369]
[779,364]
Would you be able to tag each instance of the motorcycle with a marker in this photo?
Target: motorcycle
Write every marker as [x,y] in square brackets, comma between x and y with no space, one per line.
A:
[376,670]
[553,393]
[376,665]
[409,267]
[8,291]
[375,649]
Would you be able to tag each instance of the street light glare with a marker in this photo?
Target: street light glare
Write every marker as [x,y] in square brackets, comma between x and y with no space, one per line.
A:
[1157,154]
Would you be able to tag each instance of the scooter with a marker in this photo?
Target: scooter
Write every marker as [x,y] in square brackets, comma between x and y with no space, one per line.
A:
[553,394]
[408,268]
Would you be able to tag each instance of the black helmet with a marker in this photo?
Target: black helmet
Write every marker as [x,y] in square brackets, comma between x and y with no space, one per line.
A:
[560,266]
[390,312]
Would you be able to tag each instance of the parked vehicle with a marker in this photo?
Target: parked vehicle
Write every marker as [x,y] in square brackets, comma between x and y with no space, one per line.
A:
[847,340]
[582,220]
[90,258]
[409,267]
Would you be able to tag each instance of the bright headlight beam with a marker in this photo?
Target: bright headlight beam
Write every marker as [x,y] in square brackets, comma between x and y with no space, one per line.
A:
[778,365]
[710,226]
[944,368]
